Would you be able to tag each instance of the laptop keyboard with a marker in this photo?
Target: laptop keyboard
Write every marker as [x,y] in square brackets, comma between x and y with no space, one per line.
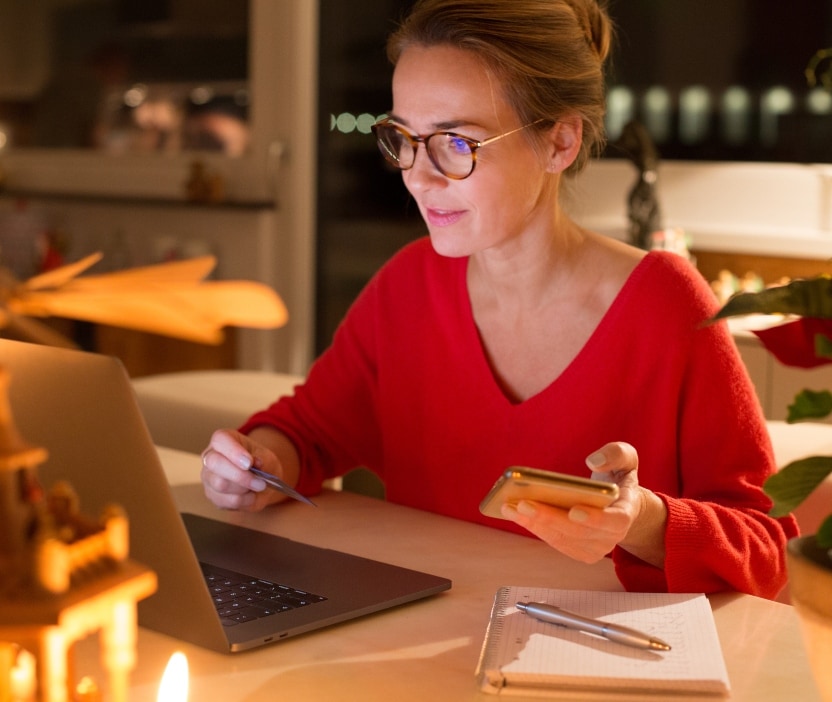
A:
[241,598]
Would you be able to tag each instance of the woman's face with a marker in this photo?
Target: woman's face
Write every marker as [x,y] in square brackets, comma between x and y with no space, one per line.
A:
[442,88]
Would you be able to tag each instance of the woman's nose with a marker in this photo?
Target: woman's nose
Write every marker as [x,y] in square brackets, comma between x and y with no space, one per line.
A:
[423,175]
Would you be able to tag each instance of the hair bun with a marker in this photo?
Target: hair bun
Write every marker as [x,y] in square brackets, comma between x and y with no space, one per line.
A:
[593,17]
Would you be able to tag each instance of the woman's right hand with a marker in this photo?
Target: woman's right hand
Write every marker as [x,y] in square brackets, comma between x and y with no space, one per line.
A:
[225,476]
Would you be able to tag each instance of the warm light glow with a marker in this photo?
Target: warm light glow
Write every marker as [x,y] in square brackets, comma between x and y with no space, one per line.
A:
[87,690]
[174,685]
[23,682]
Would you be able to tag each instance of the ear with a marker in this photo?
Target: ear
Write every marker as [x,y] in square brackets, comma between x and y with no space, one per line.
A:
[563,143]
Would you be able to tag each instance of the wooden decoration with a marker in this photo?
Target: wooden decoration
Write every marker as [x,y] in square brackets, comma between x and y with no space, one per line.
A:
[63,576]
[172,299]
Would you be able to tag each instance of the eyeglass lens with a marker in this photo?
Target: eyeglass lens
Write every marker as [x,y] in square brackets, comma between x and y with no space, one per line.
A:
[452,155]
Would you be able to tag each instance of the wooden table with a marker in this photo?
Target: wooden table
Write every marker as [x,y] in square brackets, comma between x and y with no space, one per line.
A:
[427,651]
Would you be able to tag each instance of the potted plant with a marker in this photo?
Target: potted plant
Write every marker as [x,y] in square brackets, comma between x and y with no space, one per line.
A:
[803,340]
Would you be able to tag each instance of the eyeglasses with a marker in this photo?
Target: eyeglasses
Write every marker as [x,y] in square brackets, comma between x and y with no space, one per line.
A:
[453,155]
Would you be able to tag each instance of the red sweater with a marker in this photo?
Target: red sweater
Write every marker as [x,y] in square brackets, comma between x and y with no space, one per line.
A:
[406,390]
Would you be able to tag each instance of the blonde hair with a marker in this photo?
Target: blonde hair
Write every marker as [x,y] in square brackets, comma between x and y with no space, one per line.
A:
[548,54]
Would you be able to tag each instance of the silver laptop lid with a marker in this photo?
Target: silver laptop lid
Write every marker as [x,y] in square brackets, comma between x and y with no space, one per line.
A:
[81,407]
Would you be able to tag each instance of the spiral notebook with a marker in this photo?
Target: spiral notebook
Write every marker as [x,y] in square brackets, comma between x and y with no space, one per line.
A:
[524,656]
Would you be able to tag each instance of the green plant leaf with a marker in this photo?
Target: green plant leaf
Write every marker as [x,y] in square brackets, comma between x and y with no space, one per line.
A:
[810,404]
[811,297]
[793,483]
[804,343]
[823,346]
[824,535]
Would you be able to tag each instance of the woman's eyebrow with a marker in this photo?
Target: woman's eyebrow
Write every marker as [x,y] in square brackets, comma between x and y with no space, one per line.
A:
[444,126]
[393,117]
[436,126]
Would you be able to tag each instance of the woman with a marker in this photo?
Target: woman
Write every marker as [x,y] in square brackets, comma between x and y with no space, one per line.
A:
[511,336]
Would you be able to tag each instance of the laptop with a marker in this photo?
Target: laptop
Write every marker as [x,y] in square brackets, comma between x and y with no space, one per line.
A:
[80,406]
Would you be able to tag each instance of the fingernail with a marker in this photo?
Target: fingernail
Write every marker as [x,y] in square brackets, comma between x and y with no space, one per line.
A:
[596,460]
[258,485]
[578,515]
[245,462]
[526,508]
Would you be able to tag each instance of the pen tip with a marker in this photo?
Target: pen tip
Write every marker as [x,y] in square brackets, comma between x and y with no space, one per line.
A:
[521,606]
[659,645]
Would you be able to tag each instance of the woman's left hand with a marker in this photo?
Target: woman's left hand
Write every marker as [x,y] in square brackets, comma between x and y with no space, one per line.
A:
[635,521]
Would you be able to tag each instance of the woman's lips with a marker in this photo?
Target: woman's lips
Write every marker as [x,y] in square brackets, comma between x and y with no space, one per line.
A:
[443,218]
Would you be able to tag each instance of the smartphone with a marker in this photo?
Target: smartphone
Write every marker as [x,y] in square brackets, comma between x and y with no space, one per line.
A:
[518,483]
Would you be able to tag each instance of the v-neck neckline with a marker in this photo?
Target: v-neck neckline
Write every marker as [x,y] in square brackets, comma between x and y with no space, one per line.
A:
[580,359]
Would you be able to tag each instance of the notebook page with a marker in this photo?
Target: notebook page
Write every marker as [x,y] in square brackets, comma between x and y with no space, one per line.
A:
[524,650]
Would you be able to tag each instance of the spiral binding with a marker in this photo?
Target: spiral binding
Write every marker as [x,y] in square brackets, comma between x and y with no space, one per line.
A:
[488,672]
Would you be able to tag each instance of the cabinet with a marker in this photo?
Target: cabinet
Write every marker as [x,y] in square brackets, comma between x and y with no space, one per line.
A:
[267,230]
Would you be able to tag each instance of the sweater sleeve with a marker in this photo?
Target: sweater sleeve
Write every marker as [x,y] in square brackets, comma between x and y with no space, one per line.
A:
[718,535]
[332,417]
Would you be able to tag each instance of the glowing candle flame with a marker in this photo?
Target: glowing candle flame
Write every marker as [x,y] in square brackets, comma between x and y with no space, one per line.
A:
[22,678]
[174,685]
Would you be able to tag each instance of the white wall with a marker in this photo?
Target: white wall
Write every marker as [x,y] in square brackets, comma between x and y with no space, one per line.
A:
[758,208]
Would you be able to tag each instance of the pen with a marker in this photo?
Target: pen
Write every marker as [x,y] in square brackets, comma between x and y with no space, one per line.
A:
[613,632]
[274,482]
